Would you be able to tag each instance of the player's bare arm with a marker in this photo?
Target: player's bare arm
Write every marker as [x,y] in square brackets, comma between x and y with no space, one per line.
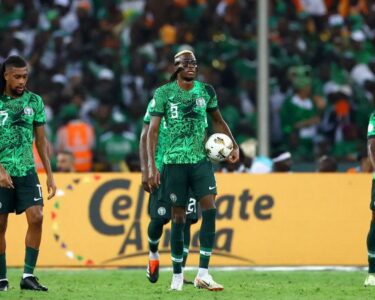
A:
[42,147]
[5,179]
[152,140]
[143,157]
[219,125]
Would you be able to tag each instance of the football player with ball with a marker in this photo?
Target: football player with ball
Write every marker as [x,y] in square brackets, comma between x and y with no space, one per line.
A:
[184,103]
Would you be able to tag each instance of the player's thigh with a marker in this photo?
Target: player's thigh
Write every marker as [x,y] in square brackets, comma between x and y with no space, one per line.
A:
[28,192]
[158,207]
[7,200]
[192,212]
[202,179]
[176,184]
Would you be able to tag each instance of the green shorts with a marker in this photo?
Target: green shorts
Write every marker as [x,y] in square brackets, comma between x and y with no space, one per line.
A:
[179,178]
[27,192]
[160,208]
[372,203]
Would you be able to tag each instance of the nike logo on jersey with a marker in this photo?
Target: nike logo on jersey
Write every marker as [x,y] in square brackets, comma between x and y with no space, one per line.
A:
[211,187]
[37,199]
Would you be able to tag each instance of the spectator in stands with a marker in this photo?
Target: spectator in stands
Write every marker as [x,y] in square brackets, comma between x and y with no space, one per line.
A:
[282,162]
[299,116]
[116,144]
[65,162]
[76,136]
[364,164]
[326,164]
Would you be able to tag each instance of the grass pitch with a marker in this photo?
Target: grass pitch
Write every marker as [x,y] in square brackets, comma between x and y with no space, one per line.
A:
[133,284]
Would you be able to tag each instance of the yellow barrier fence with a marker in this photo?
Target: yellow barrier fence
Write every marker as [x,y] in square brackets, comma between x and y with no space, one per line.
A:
[289,219]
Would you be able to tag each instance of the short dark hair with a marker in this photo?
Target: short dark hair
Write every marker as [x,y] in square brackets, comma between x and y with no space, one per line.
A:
[14,61]
[327,164]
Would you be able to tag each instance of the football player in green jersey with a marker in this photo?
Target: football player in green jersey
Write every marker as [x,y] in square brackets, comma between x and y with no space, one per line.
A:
[184,103]
[370,280]
[22,118]
[160,209]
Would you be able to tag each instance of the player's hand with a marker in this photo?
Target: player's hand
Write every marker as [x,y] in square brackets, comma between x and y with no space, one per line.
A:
[145,185]
[5,179]
[153,178]
[234,156]
[51,187]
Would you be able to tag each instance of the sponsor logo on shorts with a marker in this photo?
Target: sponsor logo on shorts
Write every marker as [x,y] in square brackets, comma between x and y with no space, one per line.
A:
[212,187]
[161,211]
[173,197]
[37,199]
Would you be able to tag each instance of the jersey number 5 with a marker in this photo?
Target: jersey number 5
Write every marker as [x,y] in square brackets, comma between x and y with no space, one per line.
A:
[3,117]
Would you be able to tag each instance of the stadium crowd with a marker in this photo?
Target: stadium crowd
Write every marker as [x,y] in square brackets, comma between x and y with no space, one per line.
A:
[96,64]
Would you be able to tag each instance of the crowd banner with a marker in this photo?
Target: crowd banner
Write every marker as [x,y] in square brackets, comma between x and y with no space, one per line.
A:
[100,220]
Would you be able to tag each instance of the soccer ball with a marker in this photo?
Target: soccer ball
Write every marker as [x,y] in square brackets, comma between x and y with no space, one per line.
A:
[218,147]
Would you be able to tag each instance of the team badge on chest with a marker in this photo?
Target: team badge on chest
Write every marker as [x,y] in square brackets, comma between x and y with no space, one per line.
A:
[200,102]
[28,111]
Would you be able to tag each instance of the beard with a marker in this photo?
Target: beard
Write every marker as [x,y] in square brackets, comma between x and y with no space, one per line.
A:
[14,92]
[188,79]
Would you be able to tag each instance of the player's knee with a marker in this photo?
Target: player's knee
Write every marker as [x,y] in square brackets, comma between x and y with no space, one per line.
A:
[36,219]
[207,202]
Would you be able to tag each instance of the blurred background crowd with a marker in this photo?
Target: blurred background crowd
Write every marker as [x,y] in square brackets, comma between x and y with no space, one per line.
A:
[96,64]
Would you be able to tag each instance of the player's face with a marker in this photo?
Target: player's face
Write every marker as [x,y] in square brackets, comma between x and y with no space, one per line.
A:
[64,163]
[16,79]
[189,65]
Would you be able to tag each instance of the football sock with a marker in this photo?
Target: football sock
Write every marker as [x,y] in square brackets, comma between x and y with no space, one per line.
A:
[177,245]
[207,237]
[153,255]
[202,272]
[3,266]
[371,248]
[155,230]
[186,242]
[31,257]
[184,256]
[26,275]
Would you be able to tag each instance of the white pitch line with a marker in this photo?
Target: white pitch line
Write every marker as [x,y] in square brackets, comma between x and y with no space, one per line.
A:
[281,268]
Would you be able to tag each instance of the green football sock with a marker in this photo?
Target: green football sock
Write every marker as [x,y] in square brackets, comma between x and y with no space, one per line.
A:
[177,245]
[371,248]
[3,266]
[31,257]
[155,230]
[186,242]
[207,237]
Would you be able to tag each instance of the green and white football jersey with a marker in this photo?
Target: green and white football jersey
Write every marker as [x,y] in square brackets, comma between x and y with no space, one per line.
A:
[18,117]
[162,137]
[185,113]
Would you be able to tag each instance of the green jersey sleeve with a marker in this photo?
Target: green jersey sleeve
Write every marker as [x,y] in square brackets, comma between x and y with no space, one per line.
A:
[212,102]
[158,108]
[371,126]
[147,116]
[40,114]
